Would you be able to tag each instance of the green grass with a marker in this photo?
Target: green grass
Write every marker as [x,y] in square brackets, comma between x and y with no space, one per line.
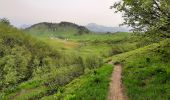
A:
[87,44]
[67,39]
[146,72]
[34,93]
[24,90]
[91,86]
[116,37]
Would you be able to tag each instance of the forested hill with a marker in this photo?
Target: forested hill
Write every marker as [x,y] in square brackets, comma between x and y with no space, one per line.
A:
[46,28]
[20,55]
[28,63]
[23,57]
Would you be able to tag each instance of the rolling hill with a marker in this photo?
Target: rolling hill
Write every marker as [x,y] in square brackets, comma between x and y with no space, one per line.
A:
[60,29]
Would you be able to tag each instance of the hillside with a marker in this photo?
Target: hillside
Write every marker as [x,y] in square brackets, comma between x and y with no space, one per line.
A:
[27,63]
[57,29]
[146,72]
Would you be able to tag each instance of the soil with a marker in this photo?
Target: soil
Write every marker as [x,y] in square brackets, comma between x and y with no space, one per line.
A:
[116,91]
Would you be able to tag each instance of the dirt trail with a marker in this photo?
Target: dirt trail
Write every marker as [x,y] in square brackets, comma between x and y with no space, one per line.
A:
[116,89]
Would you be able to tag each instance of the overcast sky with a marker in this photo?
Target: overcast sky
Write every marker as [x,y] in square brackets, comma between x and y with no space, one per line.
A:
[78,11]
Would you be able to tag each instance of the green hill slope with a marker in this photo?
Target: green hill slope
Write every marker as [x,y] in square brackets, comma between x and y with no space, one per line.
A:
[91,86]
[145,77]
[28,64]
[146,72]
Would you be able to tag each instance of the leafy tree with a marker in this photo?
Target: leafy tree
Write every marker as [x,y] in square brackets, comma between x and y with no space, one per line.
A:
[4,21]
[22,58]
[150,16]
[82,30]
[9,70]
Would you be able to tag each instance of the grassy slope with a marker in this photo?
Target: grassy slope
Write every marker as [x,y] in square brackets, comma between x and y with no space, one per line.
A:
[91,86]
[25,62]
[146,72]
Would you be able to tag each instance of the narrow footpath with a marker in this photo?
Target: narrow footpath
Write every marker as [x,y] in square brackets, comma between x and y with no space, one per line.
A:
[116,89]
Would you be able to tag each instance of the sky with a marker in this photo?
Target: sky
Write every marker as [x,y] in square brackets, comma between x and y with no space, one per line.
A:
[81,12]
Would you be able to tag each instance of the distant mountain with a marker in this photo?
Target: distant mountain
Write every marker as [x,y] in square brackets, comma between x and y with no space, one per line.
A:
[100,28]
[24,26]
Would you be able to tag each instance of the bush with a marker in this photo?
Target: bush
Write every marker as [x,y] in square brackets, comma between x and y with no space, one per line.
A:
[93,62]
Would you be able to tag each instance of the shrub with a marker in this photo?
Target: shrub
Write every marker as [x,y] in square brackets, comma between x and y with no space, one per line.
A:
[93,62]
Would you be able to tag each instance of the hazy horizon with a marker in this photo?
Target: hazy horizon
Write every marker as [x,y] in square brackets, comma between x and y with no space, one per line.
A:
[81,12]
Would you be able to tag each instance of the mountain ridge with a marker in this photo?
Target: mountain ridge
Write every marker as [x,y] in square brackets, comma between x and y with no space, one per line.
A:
[101,28]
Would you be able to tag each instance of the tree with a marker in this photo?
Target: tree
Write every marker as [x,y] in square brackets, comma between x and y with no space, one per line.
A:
[4,21]
[149,16]
[82,30]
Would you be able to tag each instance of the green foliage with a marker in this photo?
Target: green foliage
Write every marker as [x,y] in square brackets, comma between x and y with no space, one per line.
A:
[82,30]
[4,21]
[150,16]
[91,86]
[93,62]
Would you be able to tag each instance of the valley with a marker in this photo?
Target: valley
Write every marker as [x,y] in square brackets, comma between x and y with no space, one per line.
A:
[65,61]
[84,49]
